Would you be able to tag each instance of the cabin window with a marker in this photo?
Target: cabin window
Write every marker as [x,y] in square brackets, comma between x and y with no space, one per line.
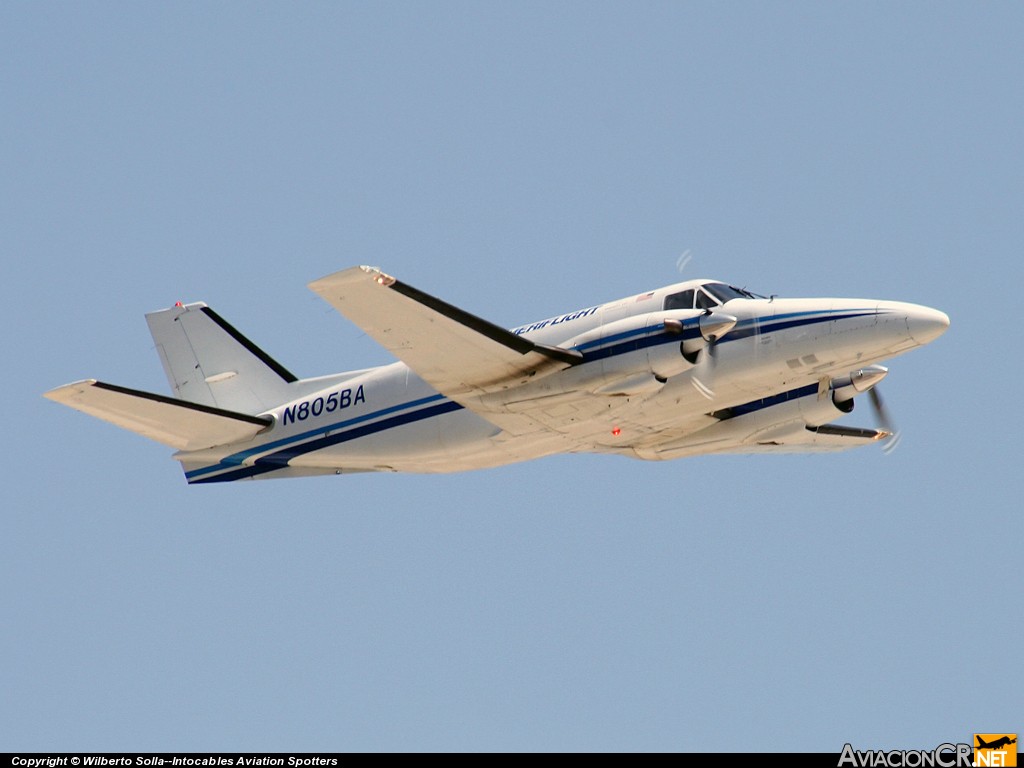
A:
[682,300]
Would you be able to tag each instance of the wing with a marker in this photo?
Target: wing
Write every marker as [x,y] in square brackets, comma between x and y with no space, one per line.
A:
[828,438]
[179,424]
[457,353]
[796,438]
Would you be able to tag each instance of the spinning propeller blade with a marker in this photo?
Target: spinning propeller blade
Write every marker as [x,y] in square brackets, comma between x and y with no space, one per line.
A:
[884,420]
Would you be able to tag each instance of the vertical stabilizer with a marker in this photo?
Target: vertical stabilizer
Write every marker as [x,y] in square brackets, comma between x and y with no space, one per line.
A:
[207,361]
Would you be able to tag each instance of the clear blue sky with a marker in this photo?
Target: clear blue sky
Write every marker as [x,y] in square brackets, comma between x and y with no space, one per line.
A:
[519,160]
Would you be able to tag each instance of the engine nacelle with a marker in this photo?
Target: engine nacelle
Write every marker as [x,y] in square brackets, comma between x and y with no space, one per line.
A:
[845,388]
[711,326]
[630,356]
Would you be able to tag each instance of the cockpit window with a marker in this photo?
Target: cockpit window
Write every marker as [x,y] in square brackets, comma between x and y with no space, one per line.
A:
[705,302]
[708,296]
[682,300]
[724,292]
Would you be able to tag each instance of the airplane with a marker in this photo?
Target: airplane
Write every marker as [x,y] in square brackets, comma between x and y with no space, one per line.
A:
[1002,741]
[697,367]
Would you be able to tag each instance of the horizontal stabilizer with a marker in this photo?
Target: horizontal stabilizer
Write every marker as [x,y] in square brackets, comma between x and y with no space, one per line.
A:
[456,352]
[179,424]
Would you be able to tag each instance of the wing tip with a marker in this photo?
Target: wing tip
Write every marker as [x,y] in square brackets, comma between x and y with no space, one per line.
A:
[350,275]
[67,391]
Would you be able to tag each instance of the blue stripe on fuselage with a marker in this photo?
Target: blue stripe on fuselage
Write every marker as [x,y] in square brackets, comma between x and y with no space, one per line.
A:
[658,335]
[609,347]
[768,402]
[280,459]
[237,458]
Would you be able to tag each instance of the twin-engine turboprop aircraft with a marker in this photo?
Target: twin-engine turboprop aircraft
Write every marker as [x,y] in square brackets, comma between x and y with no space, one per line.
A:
[696,367]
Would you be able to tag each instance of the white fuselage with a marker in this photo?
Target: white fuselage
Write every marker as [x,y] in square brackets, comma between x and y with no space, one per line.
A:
[635,393]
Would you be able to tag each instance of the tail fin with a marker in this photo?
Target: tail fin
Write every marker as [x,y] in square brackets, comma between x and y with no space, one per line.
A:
[210,363]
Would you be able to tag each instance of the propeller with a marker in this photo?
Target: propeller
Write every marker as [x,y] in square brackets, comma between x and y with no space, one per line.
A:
[713,326]
[702,377]
[884,420]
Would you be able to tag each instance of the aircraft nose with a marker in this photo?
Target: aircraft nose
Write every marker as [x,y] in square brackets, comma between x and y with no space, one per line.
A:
[925,324]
